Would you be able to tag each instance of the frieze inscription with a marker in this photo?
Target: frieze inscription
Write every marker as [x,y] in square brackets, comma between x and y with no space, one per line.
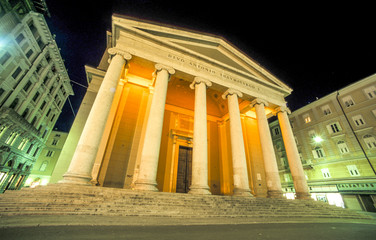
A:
[212,71]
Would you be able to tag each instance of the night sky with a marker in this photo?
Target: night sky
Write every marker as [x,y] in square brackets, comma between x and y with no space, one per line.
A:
[313,48]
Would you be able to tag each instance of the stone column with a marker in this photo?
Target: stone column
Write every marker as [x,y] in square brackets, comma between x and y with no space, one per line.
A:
[241,184]
[147,176]
[273,182]
[200,139]
[80,168]
[296,167]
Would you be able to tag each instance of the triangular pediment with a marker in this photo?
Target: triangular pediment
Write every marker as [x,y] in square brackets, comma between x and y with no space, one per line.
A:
[212,49]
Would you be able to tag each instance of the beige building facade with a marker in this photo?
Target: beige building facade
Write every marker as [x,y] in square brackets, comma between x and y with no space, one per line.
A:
[336,139]
[46,162]
[34,85]
[173,110]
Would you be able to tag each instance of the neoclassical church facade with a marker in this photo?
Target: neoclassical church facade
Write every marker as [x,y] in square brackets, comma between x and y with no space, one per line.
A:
[173,110]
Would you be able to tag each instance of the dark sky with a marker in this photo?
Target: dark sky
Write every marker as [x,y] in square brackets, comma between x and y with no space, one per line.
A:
[313,48]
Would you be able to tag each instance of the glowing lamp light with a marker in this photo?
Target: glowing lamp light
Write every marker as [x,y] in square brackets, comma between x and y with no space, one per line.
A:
[318,139]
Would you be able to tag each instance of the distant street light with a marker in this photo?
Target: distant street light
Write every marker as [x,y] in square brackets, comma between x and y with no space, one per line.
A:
[318,139]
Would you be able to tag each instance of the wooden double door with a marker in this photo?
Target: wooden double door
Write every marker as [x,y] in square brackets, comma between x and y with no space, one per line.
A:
[184,176]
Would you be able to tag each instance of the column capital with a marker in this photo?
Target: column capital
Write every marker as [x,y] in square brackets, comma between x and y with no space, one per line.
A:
[116,51]
[199,80]
[159,67]
[231,91]
[282,109]
[259,101]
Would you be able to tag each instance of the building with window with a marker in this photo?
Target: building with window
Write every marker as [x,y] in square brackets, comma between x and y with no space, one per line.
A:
[46,162]
[34,86]
[336,136]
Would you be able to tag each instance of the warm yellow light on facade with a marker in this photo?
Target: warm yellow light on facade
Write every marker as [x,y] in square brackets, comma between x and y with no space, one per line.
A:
[251,114]
[138,80]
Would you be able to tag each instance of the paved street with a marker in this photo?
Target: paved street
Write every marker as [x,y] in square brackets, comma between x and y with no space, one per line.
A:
[291,231]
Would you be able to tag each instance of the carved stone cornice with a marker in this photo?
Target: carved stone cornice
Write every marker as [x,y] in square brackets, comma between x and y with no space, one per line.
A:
[116,51]
[199,80]
[231,91]
[160,67]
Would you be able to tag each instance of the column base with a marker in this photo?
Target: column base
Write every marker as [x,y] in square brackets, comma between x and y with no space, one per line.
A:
[274,194]
[197,190]
[303,195]
[76,179]
[242,192]
[144,185]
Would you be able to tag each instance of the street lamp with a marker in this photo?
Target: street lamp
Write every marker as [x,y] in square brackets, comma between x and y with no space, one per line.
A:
[317,139]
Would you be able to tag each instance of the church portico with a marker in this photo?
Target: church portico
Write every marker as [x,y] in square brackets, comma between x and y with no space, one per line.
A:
[179,111]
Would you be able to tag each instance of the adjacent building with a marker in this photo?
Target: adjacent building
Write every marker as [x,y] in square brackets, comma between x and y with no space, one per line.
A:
[46,162]
[336,139]
[34,86]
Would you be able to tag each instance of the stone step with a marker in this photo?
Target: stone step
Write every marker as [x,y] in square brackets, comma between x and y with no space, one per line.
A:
[126,210]
[60,199]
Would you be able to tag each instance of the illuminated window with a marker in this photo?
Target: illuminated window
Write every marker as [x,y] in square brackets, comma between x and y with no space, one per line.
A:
[23,143]
[353,170]
[370,92]
[307,118]
[369,141]
[348,101]
[358,120]
[325,173]
[11,138]
[326,110]
[342,146]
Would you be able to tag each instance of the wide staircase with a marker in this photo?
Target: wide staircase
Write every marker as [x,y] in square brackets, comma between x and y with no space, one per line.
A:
[85,200]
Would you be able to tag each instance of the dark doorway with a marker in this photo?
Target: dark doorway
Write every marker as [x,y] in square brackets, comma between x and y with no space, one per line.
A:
[368,203]
[184,177]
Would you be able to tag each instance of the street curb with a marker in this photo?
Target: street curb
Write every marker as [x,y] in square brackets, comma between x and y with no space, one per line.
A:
[42,221]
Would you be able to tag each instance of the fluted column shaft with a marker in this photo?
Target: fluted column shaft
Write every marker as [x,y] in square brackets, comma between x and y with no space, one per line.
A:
[147,177]
[241,184]
[273,182]
[200,139]
[80,168]
[296,167]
